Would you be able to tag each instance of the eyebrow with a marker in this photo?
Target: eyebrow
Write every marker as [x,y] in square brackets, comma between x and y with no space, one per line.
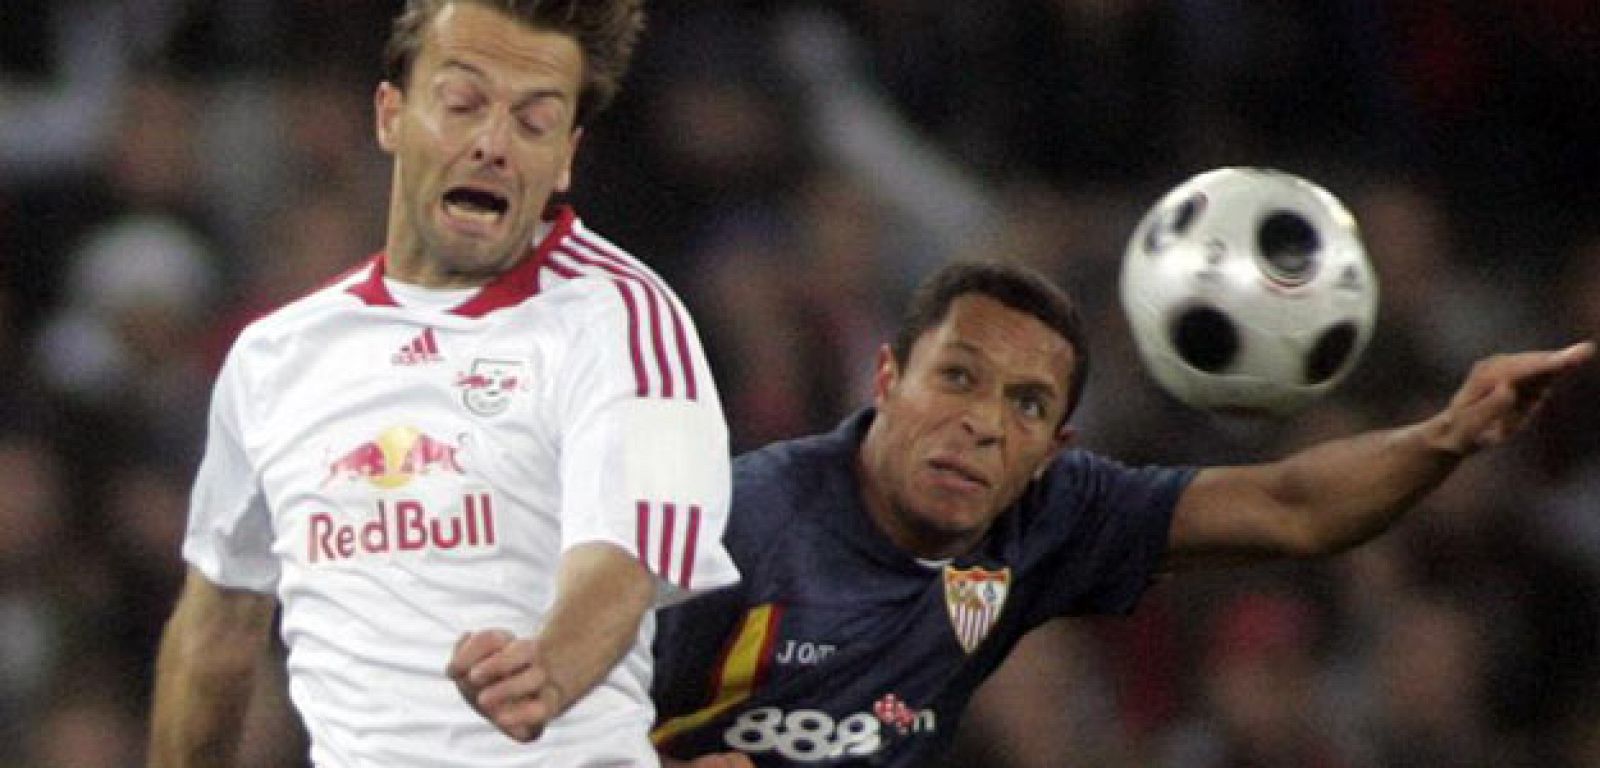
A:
[523,99]
[964,346]
[1031,385]
[462,66]
[1035,388]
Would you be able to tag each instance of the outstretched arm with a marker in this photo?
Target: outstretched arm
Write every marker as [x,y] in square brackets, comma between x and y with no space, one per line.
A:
[1338,494]
[204,673]
[522,683]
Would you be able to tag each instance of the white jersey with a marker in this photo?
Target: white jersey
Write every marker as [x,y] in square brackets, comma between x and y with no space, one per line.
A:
[399,474]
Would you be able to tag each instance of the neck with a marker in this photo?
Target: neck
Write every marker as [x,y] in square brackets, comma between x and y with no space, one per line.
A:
[409,262]
[899,524]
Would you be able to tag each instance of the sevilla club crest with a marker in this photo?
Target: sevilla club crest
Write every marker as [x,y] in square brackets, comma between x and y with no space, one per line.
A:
[974,597]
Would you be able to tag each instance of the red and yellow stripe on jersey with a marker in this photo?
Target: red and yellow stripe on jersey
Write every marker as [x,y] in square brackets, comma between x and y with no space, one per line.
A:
[737,674]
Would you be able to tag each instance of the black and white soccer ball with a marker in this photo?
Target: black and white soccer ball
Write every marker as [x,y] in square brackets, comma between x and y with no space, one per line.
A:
[1249,291]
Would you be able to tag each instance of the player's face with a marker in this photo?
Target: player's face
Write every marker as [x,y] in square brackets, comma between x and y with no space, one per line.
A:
[975,414]
[481,137]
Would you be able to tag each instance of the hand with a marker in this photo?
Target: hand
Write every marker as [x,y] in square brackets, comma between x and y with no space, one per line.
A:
[1500,395]
[507,681]
[720,760]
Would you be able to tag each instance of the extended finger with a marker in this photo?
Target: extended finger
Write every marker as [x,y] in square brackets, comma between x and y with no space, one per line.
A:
[1578,353]
[1534,387]
[1524,365]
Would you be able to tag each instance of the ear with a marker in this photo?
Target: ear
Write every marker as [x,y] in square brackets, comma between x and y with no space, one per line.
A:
[885,376]
[1063,438]
[386,106]
[564,182]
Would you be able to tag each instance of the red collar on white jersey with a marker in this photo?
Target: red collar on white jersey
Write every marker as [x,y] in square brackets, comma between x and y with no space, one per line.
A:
[509,289]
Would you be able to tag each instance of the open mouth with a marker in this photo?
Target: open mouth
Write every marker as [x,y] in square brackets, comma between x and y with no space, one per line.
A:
[475,205]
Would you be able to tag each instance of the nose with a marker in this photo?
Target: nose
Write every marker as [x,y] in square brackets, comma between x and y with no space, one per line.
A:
[982,420]
[492,142]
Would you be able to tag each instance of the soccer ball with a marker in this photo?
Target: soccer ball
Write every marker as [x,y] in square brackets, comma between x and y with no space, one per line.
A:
[1248,291]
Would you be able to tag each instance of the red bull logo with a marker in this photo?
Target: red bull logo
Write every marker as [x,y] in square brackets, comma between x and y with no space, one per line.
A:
[394,458]
[487,389]
[404,526]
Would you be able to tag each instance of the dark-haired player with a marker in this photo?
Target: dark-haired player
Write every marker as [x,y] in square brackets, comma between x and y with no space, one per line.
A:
[891,565]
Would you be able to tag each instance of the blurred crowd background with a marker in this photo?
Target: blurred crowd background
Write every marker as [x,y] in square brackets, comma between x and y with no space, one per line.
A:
[171,168]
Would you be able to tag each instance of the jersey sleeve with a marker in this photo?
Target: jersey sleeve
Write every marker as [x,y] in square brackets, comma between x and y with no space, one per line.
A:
[1104,527]
[229,534]
[644,445]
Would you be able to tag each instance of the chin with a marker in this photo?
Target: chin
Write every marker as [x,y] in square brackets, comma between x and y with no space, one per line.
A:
[958,522]
[478,258]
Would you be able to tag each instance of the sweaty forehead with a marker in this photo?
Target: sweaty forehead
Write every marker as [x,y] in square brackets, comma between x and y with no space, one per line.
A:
[498,45]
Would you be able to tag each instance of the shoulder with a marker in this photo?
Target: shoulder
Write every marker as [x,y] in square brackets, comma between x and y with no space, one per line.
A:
[287,321]
[763,481]
[786,468]
[775,486]
[592,280]
[1090,472]
[816,469]
[575,255]
[815,472]
[1082,485]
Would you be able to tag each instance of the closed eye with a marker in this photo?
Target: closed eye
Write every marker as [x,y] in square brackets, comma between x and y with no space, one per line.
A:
[459,102]
[541,113]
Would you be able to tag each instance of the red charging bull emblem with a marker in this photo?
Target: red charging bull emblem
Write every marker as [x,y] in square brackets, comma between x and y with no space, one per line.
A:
[395,458]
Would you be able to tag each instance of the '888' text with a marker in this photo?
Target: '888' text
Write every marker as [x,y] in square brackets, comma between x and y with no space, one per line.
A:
[804,735]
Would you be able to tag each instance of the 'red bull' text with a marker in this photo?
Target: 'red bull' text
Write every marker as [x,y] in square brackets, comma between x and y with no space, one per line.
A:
[404,526]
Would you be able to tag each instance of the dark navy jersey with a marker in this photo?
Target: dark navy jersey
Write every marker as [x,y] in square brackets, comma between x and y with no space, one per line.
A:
[837,648]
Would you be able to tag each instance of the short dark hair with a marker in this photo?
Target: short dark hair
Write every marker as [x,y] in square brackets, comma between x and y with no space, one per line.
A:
[1014,285]
[607,31]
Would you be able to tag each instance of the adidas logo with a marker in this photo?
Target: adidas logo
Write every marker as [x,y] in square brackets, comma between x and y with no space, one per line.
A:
[422,349]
